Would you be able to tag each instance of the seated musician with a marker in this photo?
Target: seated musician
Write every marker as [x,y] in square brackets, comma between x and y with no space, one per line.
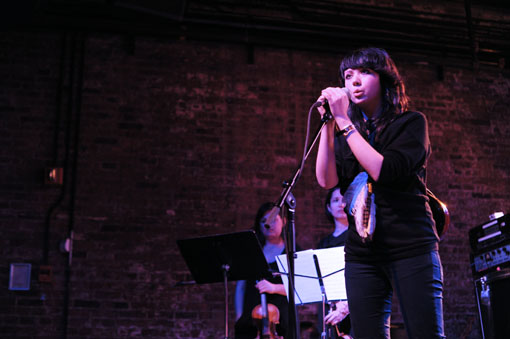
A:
[248,292]
[337,314]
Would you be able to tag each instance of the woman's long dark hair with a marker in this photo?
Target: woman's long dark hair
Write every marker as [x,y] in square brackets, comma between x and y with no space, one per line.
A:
[394,98]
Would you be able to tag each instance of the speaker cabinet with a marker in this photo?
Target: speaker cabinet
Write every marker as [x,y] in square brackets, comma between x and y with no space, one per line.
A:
[493,299]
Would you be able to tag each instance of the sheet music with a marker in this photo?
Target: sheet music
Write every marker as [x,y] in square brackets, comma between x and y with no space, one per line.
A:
[307,287]
[331,260]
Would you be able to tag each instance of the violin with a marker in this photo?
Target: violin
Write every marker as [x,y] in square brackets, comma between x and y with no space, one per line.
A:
[266,317]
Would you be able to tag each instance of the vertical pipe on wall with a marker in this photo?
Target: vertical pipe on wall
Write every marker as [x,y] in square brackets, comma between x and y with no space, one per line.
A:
[70,96]
[74,115]
[55,160]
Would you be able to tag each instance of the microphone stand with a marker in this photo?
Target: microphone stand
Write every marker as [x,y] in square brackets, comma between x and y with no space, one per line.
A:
[287,198]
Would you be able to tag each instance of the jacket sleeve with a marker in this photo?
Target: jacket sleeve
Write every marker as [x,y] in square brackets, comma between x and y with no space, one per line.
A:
[406,148]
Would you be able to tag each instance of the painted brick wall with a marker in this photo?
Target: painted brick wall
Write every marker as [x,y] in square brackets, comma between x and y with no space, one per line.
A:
[168,139]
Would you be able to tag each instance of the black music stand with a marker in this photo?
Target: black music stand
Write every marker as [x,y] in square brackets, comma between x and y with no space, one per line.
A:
[224,257]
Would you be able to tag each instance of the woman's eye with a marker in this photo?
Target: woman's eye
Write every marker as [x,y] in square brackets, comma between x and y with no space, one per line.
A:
[365,71]
[348,76]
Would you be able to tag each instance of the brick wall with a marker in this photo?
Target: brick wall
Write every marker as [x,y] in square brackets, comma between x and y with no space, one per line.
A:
[166,139]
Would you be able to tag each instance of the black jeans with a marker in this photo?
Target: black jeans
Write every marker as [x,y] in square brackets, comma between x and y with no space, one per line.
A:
[418,283]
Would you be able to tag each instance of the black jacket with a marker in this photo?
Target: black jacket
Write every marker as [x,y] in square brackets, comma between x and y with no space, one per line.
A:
[404,223]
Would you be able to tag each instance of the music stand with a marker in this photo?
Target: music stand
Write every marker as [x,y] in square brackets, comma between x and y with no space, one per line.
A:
[319,277]
[307,286]
[224,257]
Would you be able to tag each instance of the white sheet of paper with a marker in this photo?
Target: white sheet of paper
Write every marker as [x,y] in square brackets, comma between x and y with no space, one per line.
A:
[307,287]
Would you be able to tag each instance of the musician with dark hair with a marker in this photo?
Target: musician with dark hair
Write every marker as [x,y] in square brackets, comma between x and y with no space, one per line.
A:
[376,151]
[337,313]
[248,292]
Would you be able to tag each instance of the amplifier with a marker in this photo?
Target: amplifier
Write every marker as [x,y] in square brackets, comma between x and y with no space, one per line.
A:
[490,234]
[491,260]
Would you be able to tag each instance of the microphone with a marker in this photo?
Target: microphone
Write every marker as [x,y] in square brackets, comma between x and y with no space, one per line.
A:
[271,218]
[321,103]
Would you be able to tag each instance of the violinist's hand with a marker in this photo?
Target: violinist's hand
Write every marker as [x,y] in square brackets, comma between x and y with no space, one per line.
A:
[338,100]
[336,316]
[265,286]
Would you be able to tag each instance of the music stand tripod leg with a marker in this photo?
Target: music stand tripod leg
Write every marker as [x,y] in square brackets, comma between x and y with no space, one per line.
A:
[225,287]
[323,294]
[323,334]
